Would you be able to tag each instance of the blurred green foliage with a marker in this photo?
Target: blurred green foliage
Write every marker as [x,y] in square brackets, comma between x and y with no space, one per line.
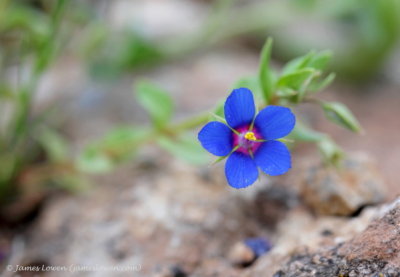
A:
[122,144]
[116,53]
[31,153]
[117,146]
[376,35]
[363,34]
[156,101]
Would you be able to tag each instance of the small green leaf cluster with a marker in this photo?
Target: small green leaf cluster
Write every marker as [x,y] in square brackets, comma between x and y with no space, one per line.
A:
[298,79]
[298,82]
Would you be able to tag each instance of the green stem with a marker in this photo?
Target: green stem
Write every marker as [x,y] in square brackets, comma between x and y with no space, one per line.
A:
[190,123]
[20,127]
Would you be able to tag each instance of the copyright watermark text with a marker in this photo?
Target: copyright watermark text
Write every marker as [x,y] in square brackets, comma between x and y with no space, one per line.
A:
[74,268]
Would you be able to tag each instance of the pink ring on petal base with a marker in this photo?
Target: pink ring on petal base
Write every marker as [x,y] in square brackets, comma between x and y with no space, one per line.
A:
[245,145]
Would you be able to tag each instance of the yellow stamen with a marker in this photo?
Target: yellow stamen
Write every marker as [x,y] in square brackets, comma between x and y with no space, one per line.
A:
[250,136]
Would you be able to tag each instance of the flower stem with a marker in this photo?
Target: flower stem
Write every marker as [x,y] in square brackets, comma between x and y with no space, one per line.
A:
[190,123]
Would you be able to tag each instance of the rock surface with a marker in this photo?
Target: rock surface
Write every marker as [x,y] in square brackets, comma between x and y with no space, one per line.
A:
[241,254]
[371,253]
[169,219]
[343,192]
[175,220]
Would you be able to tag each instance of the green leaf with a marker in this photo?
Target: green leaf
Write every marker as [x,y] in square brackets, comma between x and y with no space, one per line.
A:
[320,60]
[34,26]
[121,144]
[297,63]
[93,160]
[185,148]
[317,86]
[302,74]
[312,59]
[156,102]
[295,80]
[251,83]
[123,51]
[138,50]
[117,146]
[286,93]
[55,145]
[341,115]
[265,75]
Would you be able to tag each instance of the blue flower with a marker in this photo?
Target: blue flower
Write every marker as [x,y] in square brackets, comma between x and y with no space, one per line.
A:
[259,246]
[249,141]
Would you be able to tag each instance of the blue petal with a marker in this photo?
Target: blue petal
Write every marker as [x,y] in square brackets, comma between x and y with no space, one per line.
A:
[259,246]
[216,138]
[240,170]
[275,122]
[239,107]
[273,158]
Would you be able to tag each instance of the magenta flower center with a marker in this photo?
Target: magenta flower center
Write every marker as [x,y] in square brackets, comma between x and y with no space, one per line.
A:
[247,140]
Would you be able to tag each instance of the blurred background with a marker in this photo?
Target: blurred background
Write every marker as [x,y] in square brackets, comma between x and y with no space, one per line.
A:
[69,72]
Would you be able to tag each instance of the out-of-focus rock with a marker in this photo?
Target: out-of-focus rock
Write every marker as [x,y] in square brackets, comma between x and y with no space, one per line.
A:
[373,252]
[171,215]
[216,267]
[380,241]
[301,232]
[157,18]
[171,219]
[241,254]
[173,271]
[272,204]
[330,191]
